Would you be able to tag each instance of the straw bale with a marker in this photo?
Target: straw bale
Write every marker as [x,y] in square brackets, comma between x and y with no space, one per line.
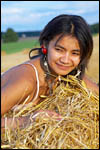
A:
[76,126]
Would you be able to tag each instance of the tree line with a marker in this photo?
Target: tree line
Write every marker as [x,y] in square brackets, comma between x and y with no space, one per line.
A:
[11,36]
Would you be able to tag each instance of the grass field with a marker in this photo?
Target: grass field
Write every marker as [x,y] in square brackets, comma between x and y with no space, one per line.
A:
[16,53]
[21,45]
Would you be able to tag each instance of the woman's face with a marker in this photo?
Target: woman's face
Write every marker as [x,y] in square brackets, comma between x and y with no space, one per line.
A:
[63,56]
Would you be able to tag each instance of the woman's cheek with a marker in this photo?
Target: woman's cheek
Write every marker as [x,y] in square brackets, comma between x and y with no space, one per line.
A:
[76,60]
[52,56]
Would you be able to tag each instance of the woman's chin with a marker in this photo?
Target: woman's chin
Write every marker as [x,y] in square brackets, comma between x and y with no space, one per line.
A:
[62,73]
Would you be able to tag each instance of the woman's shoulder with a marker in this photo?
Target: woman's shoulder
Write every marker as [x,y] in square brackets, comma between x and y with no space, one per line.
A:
[92,85]
[20,73]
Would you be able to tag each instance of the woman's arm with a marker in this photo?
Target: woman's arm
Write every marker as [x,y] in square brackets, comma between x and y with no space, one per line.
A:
[91,85]
[16,85]
[14,123]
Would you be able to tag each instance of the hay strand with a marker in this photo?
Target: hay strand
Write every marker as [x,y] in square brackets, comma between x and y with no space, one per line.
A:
[76,126]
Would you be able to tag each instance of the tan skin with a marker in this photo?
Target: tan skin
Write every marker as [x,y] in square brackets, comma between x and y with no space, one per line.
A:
[20,82]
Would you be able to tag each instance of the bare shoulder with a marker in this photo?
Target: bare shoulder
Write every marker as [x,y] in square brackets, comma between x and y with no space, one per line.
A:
[91,84]
[16,85]
[18,73]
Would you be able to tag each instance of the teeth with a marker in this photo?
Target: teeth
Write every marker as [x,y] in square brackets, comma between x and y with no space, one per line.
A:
[64,66]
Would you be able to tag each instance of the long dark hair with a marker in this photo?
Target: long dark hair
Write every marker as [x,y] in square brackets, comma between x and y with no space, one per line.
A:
[72,25]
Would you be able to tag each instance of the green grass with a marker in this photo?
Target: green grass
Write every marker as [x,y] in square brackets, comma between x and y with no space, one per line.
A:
[14,47]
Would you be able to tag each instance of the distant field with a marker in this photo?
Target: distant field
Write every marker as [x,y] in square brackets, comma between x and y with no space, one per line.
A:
[14,47]
[22,51]
[93,66]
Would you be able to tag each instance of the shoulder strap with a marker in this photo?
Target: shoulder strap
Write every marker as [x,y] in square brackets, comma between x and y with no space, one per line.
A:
[37,80]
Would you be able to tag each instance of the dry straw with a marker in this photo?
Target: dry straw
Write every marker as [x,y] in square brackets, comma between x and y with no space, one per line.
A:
[76,126]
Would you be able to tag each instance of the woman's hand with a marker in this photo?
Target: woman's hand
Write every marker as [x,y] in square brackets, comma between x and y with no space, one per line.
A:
[45,114]
[26,120]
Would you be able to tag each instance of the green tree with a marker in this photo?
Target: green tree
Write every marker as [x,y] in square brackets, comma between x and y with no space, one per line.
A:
[94,28]
[10,36]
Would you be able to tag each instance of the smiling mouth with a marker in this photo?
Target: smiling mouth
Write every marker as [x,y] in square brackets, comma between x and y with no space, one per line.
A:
[63,67]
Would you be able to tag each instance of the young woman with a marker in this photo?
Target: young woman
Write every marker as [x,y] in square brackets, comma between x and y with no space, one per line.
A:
[66,46]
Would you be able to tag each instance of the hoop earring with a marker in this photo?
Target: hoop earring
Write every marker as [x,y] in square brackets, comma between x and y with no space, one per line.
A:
[46,64]
[45,61]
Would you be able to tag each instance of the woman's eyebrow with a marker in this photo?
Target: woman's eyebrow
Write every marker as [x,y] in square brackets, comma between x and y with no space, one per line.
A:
[78,50]
[60,46]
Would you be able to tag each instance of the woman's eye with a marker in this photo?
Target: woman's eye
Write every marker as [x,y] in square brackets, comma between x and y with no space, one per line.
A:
[58,49]
[76,54]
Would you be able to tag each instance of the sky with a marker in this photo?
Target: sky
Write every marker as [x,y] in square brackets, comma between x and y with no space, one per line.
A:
[34,15]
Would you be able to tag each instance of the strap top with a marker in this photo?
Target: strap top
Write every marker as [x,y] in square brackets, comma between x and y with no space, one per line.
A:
[37,93]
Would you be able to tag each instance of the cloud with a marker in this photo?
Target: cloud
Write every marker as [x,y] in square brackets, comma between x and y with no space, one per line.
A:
[23,7]
[10,11]
[38,13]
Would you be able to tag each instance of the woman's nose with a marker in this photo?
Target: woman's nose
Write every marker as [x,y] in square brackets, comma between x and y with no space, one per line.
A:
[65,58]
